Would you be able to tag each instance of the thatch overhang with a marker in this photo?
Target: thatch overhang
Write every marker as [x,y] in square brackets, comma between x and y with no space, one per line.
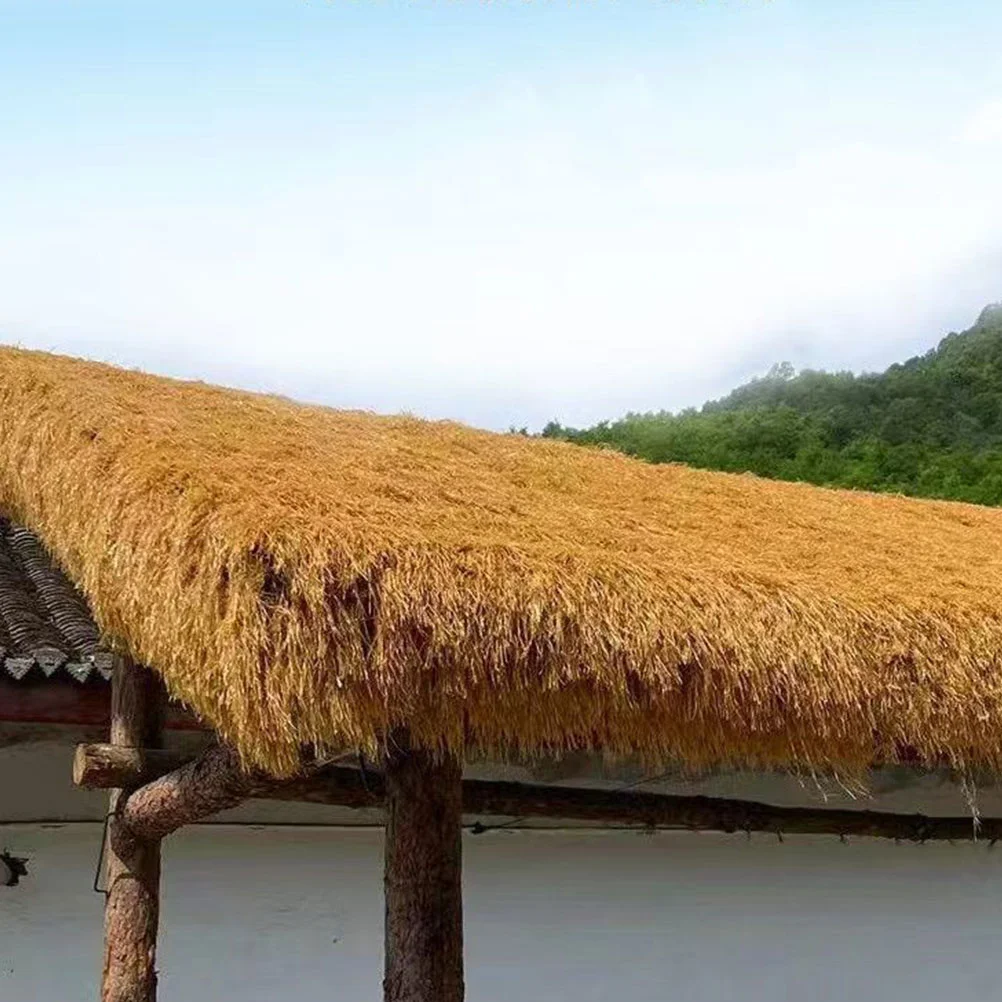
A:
[302,576]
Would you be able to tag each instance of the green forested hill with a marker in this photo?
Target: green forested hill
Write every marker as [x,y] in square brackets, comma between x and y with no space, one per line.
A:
[931,426]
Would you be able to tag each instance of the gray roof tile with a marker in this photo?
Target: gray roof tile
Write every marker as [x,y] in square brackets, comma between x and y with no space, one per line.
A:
[46,629]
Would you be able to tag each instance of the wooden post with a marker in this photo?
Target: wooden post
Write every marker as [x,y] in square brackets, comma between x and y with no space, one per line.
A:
[132,906]
[423,876]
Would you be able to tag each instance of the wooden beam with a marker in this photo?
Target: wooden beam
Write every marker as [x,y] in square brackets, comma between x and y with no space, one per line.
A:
[64,701]
[55,701]
[422,876]
[104,766]
[98,766]
[132,905]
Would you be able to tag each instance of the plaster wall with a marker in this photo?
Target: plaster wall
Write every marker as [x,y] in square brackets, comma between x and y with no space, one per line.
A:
[260,913]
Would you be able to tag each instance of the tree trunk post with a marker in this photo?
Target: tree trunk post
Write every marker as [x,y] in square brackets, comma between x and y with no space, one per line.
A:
[132,873]
[423,876]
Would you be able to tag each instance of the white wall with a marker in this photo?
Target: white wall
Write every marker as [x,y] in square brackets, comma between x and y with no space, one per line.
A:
[263,914]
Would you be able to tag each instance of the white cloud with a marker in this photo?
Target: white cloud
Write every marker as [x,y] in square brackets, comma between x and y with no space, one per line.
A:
[503,267]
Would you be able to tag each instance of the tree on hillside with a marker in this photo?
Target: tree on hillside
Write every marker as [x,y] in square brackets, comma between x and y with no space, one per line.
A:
[930,426]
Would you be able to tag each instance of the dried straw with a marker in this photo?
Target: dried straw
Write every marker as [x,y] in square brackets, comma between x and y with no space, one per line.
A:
[308,577]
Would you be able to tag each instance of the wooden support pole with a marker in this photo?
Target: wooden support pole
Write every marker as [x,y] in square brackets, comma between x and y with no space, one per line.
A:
[100,766]
[423,876]
[132,906]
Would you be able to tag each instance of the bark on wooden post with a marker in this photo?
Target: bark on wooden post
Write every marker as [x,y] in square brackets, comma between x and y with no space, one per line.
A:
[132,906]
[423,876]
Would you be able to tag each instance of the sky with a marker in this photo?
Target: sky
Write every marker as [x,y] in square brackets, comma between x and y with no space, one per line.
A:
[500,212]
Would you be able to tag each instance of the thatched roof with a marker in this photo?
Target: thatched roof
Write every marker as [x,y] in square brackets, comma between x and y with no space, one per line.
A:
[303,576]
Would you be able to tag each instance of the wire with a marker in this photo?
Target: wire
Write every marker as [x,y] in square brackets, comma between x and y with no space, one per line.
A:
[100,856]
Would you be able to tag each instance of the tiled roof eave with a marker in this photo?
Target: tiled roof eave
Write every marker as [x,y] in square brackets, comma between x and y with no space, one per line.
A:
[46,630]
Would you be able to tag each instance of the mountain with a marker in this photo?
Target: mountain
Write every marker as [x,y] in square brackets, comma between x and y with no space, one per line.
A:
[929,427]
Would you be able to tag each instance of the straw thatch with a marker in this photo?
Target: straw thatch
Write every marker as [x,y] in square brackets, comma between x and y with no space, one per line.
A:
[302,576]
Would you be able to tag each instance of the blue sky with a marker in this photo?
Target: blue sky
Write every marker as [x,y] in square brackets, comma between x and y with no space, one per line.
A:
[500,212]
